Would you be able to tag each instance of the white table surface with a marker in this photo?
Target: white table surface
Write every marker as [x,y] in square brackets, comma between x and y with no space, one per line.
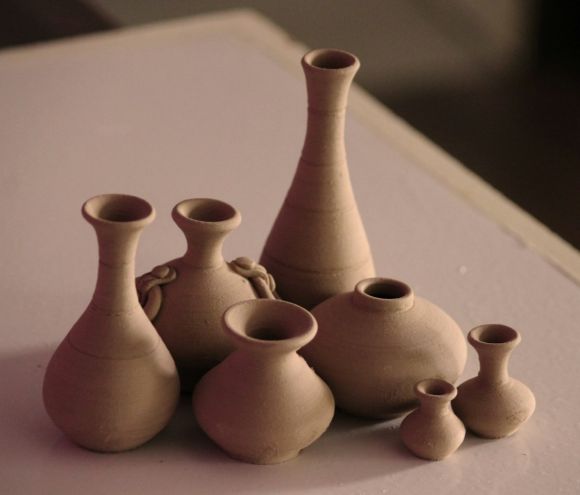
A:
[215,107]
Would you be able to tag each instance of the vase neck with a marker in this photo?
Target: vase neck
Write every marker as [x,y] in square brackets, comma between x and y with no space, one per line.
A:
[329,75]
[493,365]
[204,248]
[435,396]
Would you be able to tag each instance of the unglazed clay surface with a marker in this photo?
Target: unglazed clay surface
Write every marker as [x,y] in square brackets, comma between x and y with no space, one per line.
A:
[433,431]
[318,246]
[376,342]
[263,404]
[493,404]
[112,385]
[191,306]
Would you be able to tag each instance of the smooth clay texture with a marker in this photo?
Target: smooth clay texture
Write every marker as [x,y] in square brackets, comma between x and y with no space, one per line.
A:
[318,246]
[112,385]
[204,286]
[376,342]
[263,404]
[493,404]
[433,431]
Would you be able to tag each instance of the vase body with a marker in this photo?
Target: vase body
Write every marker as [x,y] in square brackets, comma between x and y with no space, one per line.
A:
[493,404]
[433,431]
[112,385]
[376,342]
[189,315]
[263,404]
[318,246]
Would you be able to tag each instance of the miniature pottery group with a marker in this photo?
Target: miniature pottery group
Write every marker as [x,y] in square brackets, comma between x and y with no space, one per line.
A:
[241,336]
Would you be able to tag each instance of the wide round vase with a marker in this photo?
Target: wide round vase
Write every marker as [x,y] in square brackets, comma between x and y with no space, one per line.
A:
[318,246]
[493,404]
[197,288]
[375,343]
[263,404]
[112,385]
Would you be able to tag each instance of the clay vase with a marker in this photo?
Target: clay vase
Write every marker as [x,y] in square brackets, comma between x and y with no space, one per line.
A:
[194,290]
[494,405]
[112,385]
[263,404]
[432,431]
[376,342]
[318,246]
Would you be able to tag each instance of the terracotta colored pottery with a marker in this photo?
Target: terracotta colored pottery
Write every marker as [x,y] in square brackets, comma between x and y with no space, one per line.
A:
[432,431]
[318,246]
[112,385]
[263,404]
[494,405]
[187,296]
[375,343]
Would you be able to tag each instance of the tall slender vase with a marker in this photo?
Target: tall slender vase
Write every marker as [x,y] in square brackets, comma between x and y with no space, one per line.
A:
[263,404]
[432,431]
[318,246]
[112,385]
[493,404]
[198,287]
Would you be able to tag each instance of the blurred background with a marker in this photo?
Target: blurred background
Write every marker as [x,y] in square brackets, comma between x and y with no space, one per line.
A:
[496,83]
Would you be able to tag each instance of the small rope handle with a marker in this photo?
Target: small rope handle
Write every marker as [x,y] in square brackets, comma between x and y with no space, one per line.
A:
[263,283]
[149,288]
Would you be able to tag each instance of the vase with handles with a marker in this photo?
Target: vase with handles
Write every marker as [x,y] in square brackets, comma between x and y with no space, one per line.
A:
[493,404]
[318,246]
[263,404]
[112,385]
[377,341]
[186,297]
[432,431]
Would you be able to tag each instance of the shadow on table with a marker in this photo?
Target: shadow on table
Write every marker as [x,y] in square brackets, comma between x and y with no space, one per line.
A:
[351,450]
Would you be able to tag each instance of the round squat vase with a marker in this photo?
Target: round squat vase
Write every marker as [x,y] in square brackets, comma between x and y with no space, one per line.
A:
[196,289]
[263,404]
[494,405]
[112,385]
[375,343]
[318,246]
[433,431]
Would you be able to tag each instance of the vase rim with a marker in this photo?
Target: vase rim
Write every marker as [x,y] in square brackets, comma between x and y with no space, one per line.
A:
[435,389]
[493,335]
[206,212]
[121,210]
[330,60]
[269,324]
[384,294]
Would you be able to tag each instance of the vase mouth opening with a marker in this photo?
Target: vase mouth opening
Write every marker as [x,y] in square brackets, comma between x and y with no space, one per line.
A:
[383,294]
[118,209]
[386,289]
[270,323]
[206,211]
[435,388]
[330,59]
[494,335]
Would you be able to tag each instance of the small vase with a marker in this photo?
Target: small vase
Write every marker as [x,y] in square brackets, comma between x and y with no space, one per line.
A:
[112,385]
[318,245]
[186,297]
[432,431]
[263,404]
[494,405]
[375,343]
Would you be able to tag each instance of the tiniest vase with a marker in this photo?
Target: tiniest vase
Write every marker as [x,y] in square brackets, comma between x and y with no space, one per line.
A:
[318,246]
[376,342]
[112,385]
[433,431]
[263,404]
[494,405]
[194,290]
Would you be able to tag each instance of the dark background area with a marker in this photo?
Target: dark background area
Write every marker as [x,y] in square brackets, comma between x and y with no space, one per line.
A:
[509,109]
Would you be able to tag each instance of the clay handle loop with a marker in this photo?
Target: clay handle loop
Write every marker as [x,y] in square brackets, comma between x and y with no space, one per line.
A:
[149,288]
[262,282]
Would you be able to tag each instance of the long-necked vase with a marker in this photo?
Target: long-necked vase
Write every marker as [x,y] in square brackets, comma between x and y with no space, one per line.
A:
[112,385]
[318,246]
